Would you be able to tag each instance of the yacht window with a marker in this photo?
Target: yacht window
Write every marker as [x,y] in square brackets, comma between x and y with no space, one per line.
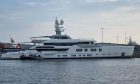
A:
[92,50]
[83,42]
[53,49]
[60,44]
[68,44]
[73,55]
[80,50]
[92,42]
[86,50]
[48,43]
[64,55]
[89,55]
[100,49]
[77,50]
[44,47]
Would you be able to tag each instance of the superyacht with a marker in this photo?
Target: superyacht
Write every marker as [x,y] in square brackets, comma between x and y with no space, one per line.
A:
[63,46]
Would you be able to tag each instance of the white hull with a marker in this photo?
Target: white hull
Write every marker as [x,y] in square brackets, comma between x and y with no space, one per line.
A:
[107,51]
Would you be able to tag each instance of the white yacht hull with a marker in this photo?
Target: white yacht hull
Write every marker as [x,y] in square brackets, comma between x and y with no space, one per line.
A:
[107,51]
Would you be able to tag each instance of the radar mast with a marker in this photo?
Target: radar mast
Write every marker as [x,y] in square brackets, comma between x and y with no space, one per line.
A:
[59,26]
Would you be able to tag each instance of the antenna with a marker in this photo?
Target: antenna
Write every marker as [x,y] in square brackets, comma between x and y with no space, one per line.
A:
[117,39]
[61,22]
[125,38]
[102,34]
[58,26]
[56,21]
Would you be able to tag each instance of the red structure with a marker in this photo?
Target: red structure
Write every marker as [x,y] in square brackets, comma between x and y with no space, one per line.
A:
[5,45]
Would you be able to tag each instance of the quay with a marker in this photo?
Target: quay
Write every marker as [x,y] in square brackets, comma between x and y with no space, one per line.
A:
[7,58]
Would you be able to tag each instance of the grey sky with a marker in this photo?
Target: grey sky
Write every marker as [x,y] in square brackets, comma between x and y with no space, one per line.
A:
[83,18]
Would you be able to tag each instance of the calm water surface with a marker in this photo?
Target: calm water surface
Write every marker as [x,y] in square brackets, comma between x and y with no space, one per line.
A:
[70,71]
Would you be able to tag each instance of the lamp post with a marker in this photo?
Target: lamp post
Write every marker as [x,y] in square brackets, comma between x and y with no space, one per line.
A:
[125,38]
[102,34]
[117,38]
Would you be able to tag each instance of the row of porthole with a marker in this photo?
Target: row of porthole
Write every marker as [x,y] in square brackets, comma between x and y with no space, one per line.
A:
[81,55]
[86,50]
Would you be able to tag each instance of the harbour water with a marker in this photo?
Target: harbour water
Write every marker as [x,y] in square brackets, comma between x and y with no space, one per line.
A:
[70,71]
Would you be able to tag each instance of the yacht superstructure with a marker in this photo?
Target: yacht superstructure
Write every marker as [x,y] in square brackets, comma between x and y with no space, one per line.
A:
[63,46]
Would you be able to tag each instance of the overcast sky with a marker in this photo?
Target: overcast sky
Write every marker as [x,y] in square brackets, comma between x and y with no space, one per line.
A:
[82,19]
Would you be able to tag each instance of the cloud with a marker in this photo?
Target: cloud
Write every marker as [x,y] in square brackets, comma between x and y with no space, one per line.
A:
[35,4]
[99,1]
[83,18]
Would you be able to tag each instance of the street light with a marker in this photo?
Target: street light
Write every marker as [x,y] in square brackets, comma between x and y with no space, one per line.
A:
[117,38]
[102,34]
[125,38]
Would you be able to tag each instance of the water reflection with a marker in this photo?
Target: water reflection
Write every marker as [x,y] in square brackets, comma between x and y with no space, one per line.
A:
[70,71]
